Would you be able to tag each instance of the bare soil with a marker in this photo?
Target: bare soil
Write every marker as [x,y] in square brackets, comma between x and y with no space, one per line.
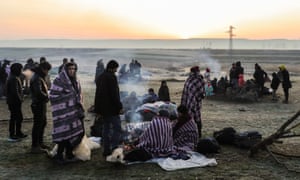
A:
[264,116]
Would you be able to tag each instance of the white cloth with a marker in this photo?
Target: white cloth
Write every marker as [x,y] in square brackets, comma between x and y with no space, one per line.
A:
[196,160]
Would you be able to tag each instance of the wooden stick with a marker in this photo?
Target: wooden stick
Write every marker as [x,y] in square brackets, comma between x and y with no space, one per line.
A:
[269,140]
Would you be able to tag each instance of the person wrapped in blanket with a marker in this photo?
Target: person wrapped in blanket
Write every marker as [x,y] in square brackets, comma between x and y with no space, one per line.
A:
[156,141]
[192,95]
[68,113]
[185,131]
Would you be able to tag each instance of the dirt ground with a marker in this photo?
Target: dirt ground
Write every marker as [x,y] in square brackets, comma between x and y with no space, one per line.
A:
[264,116]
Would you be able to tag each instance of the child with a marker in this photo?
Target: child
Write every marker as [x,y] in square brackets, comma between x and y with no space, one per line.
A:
[274,85]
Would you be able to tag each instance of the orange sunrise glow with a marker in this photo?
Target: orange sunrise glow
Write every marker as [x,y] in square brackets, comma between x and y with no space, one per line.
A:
[132,19]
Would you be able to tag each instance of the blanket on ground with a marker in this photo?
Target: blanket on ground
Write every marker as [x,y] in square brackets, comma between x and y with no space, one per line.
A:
[169,164]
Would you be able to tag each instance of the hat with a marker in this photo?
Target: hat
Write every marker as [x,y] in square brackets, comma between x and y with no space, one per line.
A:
[282,67]
[195,69]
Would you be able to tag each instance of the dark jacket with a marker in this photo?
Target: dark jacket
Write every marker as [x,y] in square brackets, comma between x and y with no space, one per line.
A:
[275,81]
[38,88]
[14,90]
[107,97]
[260,76]
[286,83]
[163,93]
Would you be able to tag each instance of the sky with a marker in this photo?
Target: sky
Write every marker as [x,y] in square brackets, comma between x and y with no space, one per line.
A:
[149,19]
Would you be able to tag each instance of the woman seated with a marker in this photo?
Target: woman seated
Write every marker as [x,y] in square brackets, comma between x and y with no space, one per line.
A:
[156,141]
[185,131]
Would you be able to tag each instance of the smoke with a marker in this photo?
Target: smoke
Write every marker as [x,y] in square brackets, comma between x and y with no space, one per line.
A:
[211,63]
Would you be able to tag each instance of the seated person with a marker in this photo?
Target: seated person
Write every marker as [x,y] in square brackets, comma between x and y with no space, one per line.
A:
[131,102]
[151,144]
[151,97]
[185,131]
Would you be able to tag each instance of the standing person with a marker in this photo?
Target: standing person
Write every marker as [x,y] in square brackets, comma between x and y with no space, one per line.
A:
[99,69]
[3,78]
[14,101]
[108,105]
[66,99]
[286,83]
[163,92]
[207,75]
[73,61]
[192,95]
[61,67]
[274,85]
[260,75]
[233,76]
[47,78]
[39,96]
[28,68]
[185,131]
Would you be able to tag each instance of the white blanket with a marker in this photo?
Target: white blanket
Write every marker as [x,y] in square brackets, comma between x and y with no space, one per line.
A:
[196,160]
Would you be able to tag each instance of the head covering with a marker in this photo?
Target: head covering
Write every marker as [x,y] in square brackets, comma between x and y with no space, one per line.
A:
[16,69]
[195,69]
[112,64]
[281,67]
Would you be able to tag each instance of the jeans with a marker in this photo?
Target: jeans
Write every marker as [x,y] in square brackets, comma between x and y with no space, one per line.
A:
[39,123]
[111,133]
[16,118]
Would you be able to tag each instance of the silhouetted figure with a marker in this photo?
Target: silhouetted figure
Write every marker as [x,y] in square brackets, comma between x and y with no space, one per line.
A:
[286,83]
[39,96]
[274,85]
[109,106]
[260,75]
[99,69]
[60,68]
[14,101]
[163,92]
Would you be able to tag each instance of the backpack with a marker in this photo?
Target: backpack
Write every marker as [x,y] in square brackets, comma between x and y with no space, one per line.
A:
[208,145]
[225,136]
[247,139]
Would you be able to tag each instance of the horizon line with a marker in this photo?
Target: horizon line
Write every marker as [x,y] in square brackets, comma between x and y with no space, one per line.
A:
[120,39]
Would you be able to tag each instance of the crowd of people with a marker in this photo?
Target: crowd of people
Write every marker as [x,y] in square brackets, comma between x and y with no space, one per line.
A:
[181,133]
[238,85]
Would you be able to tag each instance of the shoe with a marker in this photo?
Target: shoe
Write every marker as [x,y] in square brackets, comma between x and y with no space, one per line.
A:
[22,135]
[37,150]
[43,146]
[13,138]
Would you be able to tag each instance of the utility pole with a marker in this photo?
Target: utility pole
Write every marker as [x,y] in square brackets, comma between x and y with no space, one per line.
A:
[230,40]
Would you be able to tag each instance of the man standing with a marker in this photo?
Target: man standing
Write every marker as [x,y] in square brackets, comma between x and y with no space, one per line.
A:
[67,112]
[14,101]
[39,96]
[192,95]
[108,105]
[284,75]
